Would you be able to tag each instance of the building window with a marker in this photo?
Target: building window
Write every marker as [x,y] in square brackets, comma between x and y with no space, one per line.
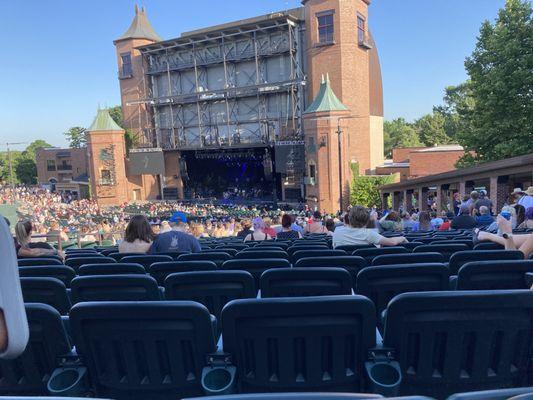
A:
[325,28]
[312,171]
[127,69]
[105,177]
[361,34]
[64,166]
[50,165]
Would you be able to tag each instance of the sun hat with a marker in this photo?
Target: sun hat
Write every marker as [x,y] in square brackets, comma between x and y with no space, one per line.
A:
[529,191]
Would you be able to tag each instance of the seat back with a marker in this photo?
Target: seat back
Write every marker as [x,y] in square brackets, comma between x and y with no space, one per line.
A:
[46,290]
[498,394]
[457,260]
[119,256]
[381,284]
[302,246]
[353,264]
[317,253]
[62,272]
[370,253]
[114,288]
[445,249]
[305,343]
[143,349]
[77,262]
[213,289]
[111,269]
[29,262]
[303,282]
[160,271]
[494,275]
[146,260]
[217,257]
[458,341]
[256,266]
[261,253]
[28,374]
[489,246]
[412,258]
[350,248]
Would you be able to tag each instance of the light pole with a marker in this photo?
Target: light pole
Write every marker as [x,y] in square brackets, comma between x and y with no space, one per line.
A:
[339,141]
[10,162]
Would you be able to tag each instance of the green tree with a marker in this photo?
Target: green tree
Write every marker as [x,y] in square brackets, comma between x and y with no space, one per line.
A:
[77,137]
[399,133]
[33,146]
[26,170]
[116,114]
[430,129]
[501,85]
[365,189]
[456,110]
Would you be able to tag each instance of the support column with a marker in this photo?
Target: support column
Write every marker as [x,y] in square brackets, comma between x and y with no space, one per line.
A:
[462,189]
[423,199]
[408,200]
[438,198]
[396,201]
[498,192]
[385,200]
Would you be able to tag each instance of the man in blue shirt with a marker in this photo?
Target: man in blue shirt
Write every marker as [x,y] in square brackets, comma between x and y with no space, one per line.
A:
[484,218]
[177,239]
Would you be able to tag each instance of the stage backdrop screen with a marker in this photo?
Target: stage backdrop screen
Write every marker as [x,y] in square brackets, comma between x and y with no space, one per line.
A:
[289,157]
[144,162]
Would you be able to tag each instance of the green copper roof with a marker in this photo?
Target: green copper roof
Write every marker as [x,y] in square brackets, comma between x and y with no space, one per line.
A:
[104,122]
[325,100]
[140,28]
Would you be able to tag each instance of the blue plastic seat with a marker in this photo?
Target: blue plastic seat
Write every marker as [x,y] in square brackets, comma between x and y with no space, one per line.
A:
[318,246]
[29,262]
[261,253]
[143,350]
[29,373]
[450,342]
[256,266]
[297,396]
[119,256]
[146,260]
[457,260]
[489,246]
[411,258]
[381,284]
[111,269]
[445,249]
[494,275]
[353,264]
[350,248]
[173,254]
[217,257]
[46,290]
[114,288]
[369,254]
[316,253]
[62,272]
[213,289]
[302,282]
[160,271]
[76,263]
[299,344]
[499,394]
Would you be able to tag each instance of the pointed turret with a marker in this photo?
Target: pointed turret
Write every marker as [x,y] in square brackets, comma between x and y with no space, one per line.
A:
[140,28]
[325,100]
[104,122]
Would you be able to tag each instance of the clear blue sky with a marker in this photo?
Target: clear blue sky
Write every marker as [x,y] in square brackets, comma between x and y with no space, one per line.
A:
[58,60]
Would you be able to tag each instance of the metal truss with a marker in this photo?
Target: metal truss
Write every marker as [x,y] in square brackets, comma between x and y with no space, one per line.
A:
[186,114]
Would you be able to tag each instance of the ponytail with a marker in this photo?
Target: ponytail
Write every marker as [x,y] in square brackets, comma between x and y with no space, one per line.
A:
[22,232]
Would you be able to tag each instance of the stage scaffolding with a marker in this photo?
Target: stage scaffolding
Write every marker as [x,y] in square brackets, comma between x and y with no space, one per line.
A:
[239,86]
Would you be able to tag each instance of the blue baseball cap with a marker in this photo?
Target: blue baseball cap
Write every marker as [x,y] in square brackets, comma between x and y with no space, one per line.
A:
[178,216]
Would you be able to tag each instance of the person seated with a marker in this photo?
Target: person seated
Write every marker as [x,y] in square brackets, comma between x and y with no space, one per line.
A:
[507,212]
[446,225]
[391,222]
[246,229]
[436,221]
[315,225]
[55,233]
[330,226]
[407,221]
[177,239]
[287,232]
[528,220]
[464,220]
[423,223]
[484,218]
[24,246]
[138,237]
[268,228]
[358,233]
[258,235]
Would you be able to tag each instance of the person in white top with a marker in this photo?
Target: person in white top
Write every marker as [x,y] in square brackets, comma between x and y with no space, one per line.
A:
[527,200]
[138,237]
[357,233]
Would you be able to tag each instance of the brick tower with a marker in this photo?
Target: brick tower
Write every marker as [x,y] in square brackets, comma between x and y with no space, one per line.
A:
[107,169]
[133,88]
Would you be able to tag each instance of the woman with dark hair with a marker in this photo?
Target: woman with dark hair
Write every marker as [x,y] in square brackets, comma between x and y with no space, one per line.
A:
[287,232]
[24,246]
[520,214]
[139,236]
[424,222]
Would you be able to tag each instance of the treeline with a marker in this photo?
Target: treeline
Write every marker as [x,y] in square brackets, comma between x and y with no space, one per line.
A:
[490,115]
[23,164]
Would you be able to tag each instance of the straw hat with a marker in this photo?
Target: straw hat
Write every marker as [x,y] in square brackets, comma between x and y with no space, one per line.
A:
[529,191]
[517,190]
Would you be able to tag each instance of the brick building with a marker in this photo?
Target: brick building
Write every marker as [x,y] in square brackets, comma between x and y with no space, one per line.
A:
[238,93]
[415,162]
[64,169]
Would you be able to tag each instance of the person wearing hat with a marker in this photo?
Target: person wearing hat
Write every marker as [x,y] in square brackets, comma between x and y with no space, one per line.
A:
[527,199]
[177,239]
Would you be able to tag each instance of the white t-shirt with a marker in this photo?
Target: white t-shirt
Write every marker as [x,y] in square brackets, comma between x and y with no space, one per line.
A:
[526,202]
[345,235]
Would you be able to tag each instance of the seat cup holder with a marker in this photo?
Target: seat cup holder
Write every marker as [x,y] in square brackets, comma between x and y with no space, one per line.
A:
[219,380]
[384,377]
[68,382]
